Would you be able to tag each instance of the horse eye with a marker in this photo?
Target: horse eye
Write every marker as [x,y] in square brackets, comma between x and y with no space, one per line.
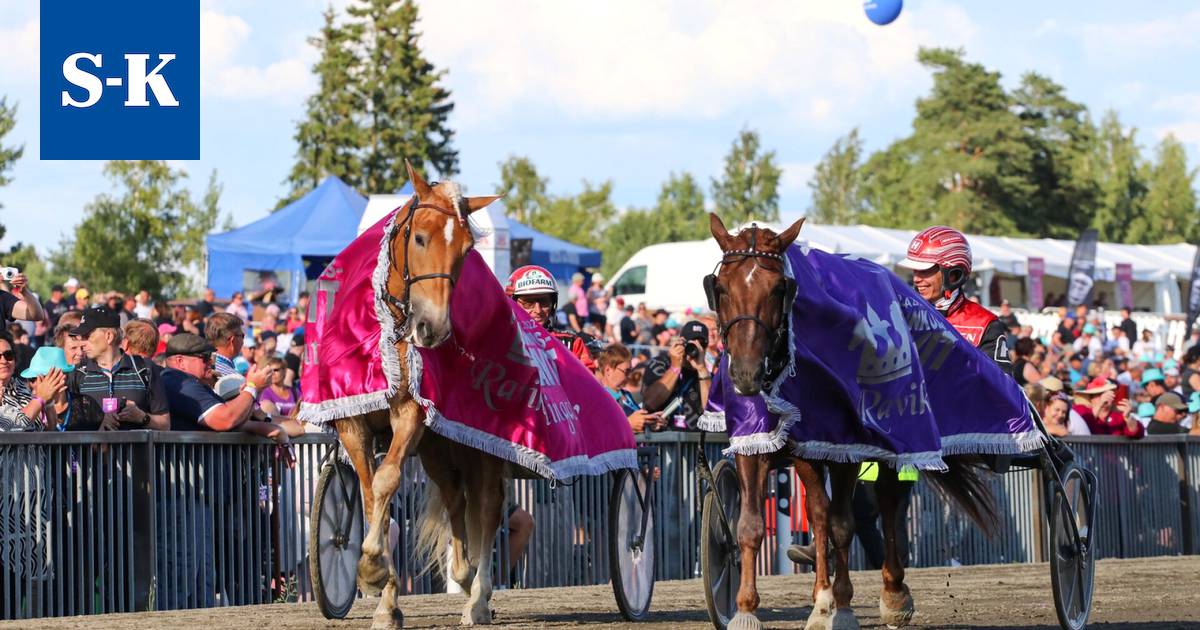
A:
[420,239]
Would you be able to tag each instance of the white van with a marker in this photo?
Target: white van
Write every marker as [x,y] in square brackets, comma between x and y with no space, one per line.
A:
[667,275]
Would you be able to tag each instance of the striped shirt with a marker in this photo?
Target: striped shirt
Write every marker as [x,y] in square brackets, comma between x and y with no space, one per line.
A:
[132,378]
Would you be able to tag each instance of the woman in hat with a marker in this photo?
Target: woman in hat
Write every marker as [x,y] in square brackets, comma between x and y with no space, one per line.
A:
[1103,415]
[26,405]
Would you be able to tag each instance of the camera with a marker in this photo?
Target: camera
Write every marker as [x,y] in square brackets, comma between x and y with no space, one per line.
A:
[692,351]
[8,273]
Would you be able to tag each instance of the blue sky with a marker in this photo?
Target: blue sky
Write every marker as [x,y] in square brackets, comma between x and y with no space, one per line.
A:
[626,90]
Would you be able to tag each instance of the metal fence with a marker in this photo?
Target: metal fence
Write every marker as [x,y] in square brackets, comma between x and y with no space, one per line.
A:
[124,521]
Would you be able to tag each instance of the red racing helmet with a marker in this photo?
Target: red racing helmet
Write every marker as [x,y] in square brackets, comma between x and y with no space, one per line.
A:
[943,247]
[531,280]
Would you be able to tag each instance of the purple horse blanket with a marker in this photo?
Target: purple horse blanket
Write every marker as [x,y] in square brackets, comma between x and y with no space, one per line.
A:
[875,373]
[500,384]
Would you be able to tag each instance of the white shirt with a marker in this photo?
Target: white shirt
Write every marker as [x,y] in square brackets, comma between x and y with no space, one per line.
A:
[1076,424]
[144,311]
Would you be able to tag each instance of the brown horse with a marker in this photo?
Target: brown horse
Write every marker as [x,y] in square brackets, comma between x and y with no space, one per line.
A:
[426,252]
[751,293]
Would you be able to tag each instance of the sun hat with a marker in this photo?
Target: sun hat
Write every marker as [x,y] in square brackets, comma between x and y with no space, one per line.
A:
[1051,384]
[229,386]
[1151,375]
[46,358]
[1194,402]
[1089,329]
[1145,410]
[1098,385]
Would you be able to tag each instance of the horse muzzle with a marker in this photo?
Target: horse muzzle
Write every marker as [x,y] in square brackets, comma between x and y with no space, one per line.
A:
[747,376]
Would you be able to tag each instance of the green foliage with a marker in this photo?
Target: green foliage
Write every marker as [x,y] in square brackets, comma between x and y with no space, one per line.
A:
[580,218]
[8,155]
[146,236]
[24,257]
[837,183]
[749,184]
[328,140]
[1029,162]
[379,102]
[1169,210]
[523,189]
[407,111]
[632,231]
[679,214]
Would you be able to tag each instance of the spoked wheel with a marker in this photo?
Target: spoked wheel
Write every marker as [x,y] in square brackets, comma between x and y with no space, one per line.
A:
[335,539]
[1072,546]
[631,545]
[720,559]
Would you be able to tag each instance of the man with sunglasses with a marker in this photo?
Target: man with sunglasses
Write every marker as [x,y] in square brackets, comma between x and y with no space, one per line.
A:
[533,289]
[128,391]
[194,405]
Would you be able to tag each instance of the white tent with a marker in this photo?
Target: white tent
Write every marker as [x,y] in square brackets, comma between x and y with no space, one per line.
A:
[1158,270]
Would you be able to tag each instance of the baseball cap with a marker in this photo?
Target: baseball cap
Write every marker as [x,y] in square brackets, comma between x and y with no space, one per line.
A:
[1151,375]
[96,317]
[187,343]
[1172,400]
[695,330]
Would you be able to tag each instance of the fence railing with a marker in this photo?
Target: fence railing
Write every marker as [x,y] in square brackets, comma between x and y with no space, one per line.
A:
[126,521]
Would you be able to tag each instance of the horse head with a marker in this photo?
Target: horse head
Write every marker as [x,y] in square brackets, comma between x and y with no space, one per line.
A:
[427,248]
[751,296]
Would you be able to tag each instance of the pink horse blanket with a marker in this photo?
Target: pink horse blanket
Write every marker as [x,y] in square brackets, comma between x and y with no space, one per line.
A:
[500,383]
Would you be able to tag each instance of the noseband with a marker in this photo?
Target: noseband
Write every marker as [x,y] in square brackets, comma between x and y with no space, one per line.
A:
[775,358]
[404,305]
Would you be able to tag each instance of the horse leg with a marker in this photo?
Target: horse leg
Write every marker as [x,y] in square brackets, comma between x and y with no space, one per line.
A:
[895,600]
[376,563]
[752,478]
[358,440]
[485,489]
[842,478]
[812,475]
[435,458]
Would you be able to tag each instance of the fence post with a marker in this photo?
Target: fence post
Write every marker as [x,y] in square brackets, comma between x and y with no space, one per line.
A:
[145,561]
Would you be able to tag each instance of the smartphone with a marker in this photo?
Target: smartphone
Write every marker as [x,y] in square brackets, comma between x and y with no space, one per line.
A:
[1122,394]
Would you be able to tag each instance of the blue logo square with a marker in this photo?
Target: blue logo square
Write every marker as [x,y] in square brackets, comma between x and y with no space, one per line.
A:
[120,80]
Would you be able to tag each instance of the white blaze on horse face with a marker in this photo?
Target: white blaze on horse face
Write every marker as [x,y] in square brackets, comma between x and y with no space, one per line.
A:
[449,231]
[750,276]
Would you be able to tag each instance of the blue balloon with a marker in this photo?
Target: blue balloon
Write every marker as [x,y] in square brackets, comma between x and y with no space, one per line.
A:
[883,12]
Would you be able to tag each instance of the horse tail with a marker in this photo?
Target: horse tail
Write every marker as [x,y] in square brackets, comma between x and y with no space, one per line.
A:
[964,485]
[433,532]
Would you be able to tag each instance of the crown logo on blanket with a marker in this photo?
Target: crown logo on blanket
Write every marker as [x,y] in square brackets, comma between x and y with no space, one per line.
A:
[883,359]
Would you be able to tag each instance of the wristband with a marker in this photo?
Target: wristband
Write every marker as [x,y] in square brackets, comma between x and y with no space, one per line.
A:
[706,378]
[251,389]
[39,399]
[677,372]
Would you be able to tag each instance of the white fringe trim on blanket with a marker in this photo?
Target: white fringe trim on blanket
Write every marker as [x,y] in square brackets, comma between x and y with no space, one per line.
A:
[851,453]
[711,421]
[327,411]
[500,447]
[387,324]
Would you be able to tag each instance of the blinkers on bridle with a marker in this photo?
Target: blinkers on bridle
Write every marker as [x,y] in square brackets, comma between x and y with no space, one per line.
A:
[404,305]
[776,356]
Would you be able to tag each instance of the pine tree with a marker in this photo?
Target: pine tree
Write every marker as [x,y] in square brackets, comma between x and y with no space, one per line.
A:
[1169,212]
[1119,176]
[407,111]
[8,155]
[329,139]
[836,183]
[749,186]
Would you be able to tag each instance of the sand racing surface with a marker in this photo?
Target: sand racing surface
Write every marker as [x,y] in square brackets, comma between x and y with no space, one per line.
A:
[1141,594]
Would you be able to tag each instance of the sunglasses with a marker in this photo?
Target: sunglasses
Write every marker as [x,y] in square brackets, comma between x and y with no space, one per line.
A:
[8,355]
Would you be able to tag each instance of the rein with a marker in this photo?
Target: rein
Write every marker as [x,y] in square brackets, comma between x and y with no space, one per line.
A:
[775,358]
[404,304]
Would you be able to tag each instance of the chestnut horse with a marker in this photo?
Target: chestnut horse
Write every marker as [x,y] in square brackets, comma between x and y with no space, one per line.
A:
[752,294]
[426,252]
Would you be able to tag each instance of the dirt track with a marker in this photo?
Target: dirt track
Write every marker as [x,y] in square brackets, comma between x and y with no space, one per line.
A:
[1156,594]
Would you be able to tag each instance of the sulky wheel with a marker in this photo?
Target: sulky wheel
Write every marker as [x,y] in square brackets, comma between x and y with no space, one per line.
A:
[335,539]
[631,543]
[720,559]
[1072,546]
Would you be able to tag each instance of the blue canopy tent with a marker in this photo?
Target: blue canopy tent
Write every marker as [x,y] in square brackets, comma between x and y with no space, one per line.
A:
[559,257]
[300,239]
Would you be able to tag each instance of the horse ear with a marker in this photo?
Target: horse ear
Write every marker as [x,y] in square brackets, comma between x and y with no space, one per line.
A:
[790,234]
[718,230]
[420,187]
[479,203]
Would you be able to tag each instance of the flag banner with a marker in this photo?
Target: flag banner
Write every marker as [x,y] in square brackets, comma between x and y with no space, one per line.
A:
[1081,278]
[1125,285]
[1035,269]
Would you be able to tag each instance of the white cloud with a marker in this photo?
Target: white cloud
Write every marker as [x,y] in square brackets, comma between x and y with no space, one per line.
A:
[222,39]
[20,52]
[679,58]
[1133,43]
[796,176]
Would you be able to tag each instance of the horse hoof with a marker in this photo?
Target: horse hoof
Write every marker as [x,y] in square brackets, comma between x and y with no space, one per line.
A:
[843,619]
[372,575]
[744,621]
[391,620]
[896,609]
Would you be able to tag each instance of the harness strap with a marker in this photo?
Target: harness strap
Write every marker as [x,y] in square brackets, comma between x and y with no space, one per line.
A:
[404,304]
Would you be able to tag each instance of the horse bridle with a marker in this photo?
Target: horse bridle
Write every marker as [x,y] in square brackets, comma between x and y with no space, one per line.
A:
[776,357]
[404,305]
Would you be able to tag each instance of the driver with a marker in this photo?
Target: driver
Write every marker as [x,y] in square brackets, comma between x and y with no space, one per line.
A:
[940,259]
[533,289]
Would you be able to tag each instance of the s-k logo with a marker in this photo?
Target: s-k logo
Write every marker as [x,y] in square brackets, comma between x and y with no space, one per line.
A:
[120,80]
